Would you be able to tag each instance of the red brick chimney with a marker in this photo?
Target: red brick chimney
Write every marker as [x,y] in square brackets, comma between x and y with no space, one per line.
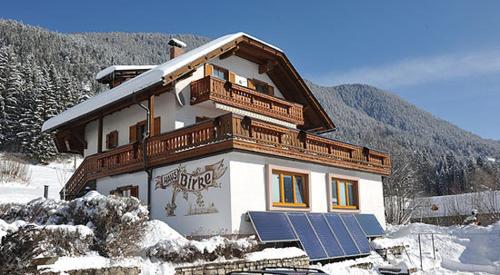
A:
[176,47]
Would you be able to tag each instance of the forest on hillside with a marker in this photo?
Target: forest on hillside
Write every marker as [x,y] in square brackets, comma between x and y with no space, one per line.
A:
[43,73]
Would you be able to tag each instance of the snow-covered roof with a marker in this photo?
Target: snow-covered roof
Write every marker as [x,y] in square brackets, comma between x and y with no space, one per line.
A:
[140,82]
[109,70]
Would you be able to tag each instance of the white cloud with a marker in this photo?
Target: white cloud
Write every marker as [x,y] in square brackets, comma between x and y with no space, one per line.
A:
[422,70]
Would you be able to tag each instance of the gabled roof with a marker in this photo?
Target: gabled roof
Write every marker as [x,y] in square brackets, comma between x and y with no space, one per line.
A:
[169,71]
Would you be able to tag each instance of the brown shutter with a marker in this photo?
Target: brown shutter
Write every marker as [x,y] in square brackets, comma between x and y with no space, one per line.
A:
[270,90]
[114,139]
[157,126]
[232,77]
[133,134]
[250,84]
[134,191]
[208,69]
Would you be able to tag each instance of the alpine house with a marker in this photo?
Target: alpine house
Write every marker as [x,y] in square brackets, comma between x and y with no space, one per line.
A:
[213,133]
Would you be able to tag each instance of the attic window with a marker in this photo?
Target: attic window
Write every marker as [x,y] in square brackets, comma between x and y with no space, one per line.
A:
[220,72]
[261,87]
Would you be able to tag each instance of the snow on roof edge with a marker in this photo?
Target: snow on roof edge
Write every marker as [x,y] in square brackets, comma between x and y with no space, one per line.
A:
[104,72]
[140,82]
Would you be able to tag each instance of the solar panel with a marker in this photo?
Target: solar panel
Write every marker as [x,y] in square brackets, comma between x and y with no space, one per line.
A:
[326,235]
[272,227]
[345,239]
[370,225]
[356,232]
[307,236]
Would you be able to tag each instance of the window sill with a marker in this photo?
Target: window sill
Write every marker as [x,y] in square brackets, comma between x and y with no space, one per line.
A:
[345,209]
[292,205]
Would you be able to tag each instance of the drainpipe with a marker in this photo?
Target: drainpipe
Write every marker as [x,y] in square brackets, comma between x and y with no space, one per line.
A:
[146,135]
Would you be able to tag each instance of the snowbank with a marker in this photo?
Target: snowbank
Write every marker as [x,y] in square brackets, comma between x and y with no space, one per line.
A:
[275,253]
[53,175]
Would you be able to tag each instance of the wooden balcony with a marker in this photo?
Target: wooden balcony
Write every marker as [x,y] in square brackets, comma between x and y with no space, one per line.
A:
[234,95]
[225,133]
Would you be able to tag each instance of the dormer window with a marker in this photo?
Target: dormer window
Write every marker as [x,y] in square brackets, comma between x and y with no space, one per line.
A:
[220,73]
[261,87]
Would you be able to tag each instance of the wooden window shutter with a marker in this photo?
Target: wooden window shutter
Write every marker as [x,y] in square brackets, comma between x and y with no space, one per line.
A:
[270,90]
[232,77]
[114,138]
[250,84]
[133,134]
[208,69]
[157,126]
[134,191]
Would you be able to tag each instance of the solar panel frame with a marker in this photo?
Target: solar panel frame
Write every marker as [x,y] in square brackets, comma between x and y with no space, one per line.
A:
[301,241]
[370,225]
[270,240]
[326,245]
[342,229]
[357,233]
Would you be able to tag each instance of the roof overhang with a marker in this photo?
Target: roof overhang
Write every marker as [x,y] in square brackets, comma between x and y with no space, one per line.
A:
[270,58]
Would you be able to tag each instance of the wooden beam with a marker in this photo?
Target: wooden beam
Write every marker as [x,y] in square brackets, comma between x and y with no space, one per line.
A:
[269,65]
[99,134]
[229,53]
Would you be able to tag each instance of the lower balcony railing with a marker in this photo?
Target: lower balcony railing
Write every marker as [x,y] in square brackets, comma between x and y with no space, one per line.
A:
[224,133]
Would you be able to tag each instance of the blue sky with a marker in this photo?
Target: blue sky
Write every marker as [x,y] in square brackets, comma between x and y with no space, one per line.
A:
[443,56]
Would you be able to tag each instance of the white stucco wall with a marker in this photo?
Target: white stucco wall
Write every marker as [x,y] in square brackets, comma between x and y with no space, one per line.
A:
[195,224]
[107,184]
[247,69]
[172,114]
[248,187]
[91,138]
[243,188]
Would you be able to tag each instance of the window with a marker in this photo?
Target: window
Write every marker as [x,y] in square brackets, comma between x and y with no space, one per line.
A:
[343,193]
[126,191]
[112,140]
[261,87]
[219,72]
[201,119]
[137,131]
[289,189]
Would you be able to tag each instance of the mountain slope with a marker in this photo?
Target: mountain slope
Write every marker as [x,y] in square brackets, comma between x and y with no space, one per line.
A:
[444,158]
[361,110]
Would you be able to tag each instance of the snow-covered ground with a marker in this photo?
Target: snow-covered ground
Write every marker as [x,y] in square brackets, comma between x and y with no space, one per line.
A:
[54,175]
[459,249]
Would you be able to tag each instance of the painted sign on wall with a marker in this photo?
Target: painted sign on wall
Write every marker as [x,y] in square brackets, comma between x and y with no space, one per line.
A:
[182,181]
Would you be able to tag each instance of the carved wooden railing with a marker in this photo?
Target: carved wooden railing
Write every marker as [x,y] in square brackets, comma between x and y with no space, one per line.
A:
[227,93]
[224,133]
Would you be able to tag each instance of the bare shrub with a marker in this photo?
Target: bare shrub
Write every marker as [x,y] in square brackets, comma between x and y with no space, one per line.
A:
[13,169]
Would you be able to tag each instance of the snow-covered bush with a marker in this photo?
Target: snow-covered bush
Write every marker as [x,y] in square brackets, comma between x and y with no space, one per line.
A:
[207,249]
[31,241]
[116,222]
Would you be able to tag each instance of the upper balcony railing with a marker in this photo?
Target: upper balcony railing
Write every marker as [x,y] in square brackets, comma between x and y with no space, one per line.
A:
[227,93]
[225,133]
